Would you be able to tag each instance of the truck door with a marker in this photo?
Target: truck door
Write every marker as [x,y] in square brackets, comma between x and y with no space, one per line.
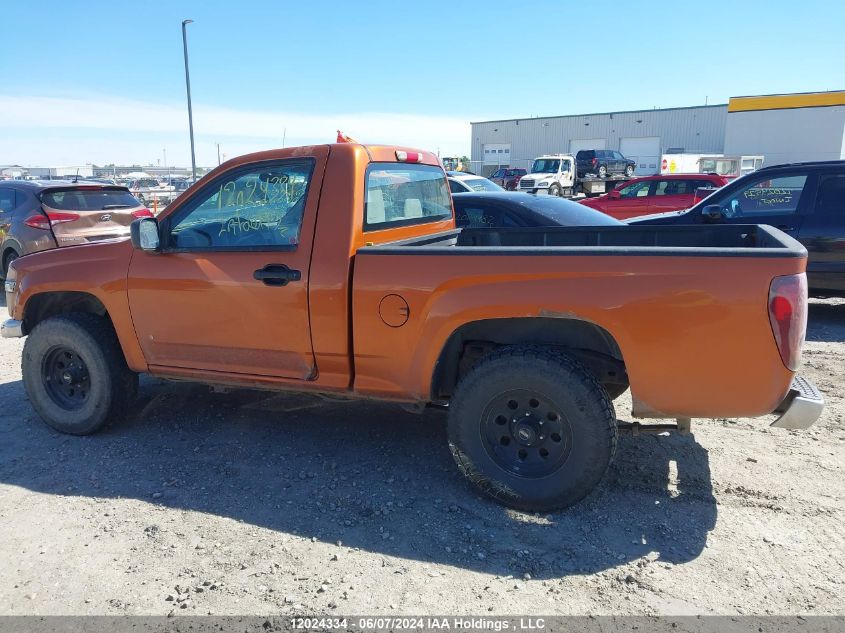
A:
[823,234]
[229,290]
[566,177]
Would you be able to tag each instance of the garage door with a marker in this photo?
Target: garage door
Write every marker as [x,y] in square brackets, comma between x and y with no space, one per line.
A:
[576,145]
[645,150]
[497,154]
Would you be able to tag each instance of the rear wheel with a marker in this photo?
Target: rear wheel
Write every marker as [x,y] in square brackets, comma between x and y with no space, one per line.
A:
[554,190]
[8,258]
[532,428]
[602,171]
[75,374]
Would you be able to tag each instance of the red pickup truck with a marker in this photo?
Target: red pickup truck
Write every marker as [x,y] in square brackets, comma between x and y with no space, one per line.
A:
[337,269]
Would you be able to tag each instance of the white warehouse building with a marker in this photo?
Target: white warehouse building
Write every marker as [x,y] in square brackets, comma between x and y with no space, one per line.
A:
[782,128]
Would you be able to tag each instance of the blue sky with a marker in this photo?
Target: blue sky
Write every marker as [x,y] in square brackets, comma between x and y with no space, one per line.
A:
[392,72]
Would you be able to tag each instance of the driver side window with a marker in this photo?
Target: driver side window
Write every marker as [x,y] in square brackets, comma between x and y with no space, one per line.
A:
[766,196]
[257,208]
[636,190]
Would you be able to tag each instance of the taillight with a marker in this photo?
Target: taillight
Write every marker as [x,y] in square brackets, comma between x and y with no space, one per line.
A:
[142,213]
[788,316]
[41,221]
[594,161]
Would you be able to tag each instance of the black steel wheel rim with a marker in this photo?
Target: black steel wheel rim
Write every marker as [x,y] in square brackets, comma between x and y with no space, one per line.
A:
[66,378]
[526,433]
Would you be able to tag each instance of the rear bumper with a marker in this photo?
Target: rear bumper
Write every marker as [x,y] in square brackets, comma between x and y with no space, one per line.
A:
[11,328]
[802,406]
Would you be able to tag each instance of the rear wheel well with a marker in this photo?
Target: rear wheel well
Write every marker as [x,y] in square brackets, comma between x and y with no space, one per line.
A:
[49,304]
[589,343]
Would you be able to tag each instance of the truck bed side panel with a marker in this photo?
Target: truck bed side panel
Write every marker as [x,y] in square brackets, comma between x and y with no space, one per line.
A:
[693,331]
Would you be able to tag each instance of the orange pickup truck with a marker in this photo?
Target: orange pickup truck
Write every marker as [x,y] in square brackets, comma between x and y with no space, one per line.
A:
[337,269]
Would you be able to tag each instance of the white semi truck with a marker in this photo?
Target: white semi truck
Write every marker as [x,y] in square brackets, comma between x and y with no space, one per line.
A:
[557,175]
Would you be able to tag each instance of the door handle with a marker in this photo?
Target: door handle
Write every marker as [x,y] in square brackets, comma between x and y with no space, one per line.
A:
[277,275]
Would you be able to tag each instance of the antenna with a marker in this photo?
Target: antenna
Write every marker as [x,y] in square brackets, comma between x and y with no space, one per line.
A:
[76,177]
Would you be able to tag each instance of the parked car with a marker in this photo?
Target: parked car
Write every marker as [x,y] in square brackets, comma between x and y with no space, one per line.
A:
[460,182]
[350,278]
[495,209]
[603,162]
[146,188]
[38,215]
[805,200]
[654,194]
[508,177]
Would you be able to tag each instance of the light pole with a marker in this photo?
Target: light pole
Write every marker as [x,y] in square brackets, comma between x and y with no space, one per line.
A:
[188,86]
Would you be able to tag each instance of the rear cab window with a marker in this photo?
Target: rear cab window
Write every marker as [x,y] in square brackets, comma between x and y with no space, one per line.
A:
[89,199]
[400,194]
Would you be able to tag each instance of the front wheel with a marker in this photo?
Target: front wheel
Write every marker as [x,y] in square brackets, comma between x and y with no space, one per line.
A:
[532,428]
[75,374]
[629,171]
[554,190]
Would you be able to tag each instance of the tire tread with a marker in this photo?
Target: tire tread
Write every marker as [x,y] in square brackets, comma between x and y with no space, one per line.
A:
[532,353]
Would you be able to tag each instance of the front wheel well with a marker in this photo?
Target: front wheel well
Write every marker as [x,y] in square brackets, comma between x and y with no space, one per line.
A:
[49,304]
[587,342]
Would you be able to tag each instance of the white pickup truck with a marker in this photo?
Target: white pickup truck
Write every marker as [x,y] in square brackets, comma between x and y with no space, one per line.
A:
[557,175]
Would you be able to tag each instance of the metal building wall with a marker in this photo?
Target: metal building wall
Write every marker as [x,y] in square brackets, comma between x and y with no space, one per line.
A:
[788,135]
[696,129]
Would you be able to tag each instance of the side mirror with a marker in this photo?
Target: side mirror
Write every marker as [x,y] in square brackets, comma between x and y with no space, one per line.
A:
[144,235]
[712,213]
[614,194]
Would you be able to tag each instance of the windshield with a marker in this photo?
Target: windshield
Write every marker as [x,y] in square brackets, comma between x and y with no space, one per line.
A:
[400,194]
[545,166]
[481,184]
[89,199]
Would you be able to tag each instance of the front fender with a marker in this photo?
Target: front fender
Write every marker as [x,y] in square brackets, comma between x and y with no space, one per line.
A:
[96,269]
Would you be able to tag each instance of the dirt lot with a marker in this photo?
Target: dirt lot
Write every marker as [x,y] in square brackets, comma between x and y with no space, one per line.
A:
[254,503]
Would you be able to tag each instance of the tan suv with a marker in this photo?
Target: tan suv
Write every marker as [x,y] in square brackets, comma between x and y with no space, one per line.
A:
[37,215]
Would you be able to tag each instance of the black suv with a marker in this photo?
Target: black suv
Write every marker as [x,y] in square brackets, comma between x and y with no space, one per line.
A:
[603,162]
[806,200]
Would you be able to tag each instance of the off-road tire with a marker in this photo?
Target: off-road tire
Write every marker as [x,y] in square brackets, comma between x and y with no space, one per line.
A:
[554,377]
[602,172]
[112,386]
[554,190]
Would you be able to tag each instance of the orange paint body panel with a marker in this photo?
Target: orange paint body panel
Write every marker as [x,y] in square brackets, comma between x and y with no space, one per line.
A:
[693,330]
[681,323]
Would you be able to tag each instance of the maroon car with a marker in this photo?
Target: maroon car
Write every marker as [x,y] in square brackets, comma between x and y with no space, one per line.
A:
[38,215]
[508,177]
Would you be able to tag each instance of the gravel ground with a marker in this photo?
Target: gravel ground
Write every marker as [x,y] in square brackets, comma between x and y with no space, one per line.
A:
[256,503]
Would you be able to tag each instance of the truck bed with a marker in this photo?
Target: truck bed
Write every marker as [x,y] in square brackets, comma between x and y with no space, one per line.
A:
[695,241]
[679,301]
